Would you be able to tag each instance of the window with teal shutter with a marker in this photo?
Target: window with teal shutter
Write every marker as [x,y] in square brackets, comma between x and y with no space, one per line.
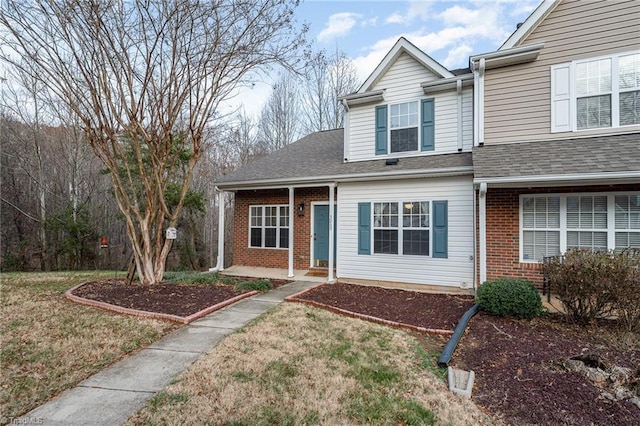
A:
[364,228]
[440,222]
[381,129]
[428,119]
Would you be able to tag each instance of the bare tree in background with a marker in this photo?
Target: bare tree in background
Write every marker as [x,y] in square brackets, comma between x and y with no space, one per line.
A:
[280,119]
[145,77]
[327,77]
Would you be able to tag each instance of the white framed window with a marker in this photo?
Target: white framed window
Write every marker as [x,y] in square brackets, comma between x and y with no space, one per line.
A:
[596,93]
[269,226]
[403,127]
[550,224]
[402,228]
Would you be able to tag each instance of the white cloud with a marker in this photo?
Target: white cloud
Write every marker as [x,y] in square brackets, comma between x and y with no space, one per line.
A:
[458,55]
[417,9]
[339,25]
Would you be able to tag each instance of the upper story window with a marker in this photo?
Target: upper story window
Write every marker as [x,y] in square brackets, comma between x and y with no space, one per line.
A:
[405,127]
[596,93]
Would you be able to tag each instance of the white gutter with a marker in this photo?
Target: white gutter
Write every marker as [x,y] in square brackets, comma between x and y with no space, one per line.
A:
[315,181]
[447,83]
[482,211]
[220,261]
[558,178]
[513,56]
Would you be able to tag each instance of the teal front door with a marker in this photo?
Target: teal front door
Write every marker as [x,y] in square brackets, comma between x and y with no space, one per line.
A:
[321,236]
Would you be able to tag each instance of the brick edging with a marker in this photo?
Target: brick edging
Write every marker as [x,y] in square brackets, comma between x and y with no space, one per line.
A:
[297,298]
[154,315]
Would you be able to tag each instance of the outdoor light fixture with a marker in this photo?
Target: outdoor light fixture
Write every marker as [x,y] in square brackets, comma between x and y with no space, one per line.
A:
[301,209]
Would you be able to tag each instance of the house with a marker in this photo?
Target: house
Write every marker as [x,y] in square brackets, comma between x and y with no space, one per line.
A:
[446,178]
[557,137]
[389,198]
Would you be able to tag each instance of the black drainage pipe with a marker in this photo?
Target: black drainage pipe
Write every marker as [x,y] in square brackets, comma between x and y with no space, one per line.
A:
[447,352]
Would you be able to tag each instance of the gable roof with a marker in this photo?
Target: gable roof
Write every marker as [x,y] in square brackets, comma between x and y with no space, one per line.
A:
[598,157]
[403,46]
[530,24]
[317,159]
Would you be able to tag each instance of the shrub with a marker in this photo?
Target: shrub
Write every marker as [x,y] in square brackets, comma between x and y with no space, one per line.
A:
[512,297]
[256,285]
[597,284]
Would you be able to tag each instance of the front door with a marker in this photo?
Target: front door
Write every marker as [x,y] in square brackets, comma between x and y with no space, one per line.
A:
[321,236]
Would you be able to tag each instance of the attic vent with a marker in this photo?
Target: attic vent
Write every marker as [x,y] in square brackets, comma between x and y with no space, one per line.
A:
[518,25]
[391,161]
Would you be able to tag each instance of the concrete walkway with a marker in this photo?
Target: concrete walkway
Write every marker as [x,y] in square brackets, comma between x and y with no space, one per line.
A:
[112,395]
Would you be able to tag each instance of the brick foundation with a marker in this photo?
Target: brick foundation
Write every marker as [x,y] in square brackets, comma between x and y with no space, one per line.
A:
[275,258]
[503,250]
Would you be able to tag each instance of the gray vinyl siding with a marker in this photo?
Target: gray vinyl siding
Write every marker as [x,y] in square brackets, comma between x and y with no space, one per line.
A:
[402,83]
[574,30]
[454,271]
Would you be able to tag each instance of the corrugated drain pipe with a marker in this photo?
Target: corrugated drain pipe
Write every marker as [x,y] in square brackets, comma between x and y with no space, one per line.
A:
[447,352]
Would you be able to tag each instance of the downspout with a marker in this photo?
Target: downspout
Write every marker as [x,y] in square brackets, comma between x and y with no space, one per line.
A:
[291,231]
[220,261]
[481,69]
[345,153]
[330,277]
[475,240]
[459,90]
[482,193]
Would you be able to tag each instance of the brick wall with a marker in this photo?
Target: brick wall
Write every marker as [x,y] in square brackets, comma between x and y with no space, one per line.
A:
[275,258]
[503,221]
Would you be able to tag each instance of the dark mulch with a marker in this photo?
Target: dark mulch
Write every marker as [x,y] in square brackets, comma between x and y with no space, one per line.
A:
[167,298]
[519,372]
[435,311]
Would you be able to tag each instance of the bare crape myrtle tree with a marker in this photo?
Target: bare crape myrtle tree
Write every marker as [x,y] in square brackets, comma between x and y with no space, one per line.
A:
[145,79]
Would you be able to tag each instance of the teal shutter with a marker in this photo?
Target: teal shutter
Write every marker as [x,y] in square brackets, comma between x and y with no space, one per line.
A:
[381,129]
[428,136]
[364,228]
[440,238]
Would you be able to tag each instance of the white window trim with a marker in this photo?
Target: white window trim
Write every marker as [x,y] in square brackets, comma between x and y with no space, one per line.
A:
[417,126]
[615,92]
[263,227]
[611,229]
[401,228]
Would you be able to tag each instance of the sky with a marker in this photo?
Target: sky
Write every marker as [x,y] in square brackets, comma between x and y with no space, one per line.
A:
[448,31]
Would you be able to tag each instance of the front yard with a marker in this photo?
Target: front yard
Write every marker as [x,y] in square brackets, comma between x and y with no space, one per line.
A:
[49,344]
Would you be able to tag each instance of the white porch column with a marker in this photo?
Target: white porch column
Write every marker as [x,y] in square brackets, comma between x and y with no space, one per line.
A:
[330,277]
[482,219]
[291,230]
[221,207]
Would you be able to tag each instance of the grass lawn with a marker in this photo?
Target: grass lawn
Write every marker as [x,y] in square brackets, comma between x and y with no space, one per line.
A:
[49,344]
[301,365]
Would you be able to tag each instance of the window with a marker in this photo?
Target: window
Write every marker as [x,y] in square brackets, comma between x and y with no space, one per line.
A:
[552,224]
[627,221]
[540,227]
[403,125]
[409,236]
[596,93]
[269,226]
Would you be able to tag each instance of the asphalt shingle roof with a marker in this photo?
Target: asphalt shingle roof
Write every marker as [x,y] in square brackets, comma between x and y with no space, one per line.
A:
[319,156]
[603,154]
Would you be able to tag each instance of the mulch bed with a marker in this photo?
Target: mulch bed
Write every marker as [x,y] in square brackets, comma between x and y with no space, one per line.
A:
[520,374]
[165,298]
[424,310]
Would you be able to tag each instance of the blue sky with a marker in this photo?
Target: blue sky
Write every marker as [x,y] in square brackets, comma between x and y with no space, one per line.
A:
[448,31]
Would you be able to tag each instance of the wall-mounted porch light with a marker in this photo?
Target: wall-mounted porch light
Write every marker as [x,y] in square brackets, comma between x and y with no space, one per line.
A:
[301,209]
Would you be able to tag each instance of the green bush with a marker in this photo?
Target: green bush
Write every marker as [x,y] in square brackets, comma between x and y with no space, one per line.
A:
[256,285]
[510,297]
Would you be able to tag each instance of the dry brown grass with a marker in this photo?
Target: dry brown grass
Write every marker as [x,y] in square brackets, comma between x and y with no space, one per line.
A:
[302,365]
[49,344]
